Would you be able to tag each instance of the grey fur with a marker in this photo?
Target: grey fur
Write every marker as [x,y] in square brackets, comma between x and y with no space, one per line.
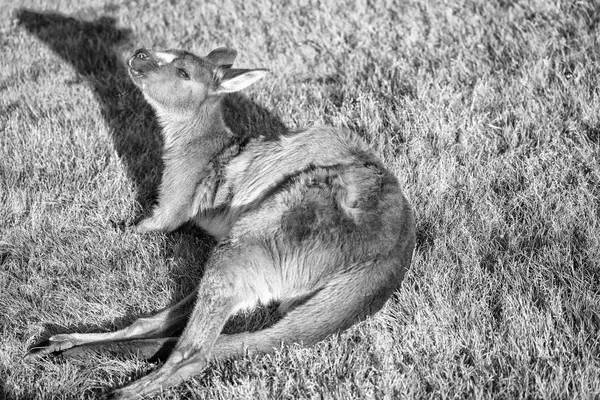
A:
[310,215]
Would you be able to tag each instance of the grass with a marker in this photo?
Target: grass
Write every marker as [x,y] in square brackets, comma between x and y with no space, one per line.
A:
[488,111]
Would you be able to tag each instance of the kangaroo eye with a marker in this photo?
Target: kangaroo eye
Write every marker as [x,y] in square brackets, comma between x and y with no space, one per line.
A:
[182,73]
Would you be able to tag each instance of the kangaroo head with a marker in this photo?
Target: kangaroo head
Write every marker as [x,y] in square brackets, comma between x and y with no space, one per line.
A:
[179,82]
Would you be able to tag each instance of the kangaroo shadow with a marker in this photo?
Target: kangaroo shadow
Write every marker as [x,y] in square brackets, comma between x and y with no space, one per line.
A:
[93,49]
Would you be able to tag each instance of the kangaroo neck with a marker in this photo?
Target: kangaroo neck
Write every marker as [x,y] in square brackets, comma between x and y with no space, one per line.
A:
[200,131]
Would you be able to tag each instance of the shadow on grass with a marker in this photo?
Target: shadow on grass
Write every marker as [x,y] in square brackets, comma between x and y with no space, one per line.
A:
[93,49]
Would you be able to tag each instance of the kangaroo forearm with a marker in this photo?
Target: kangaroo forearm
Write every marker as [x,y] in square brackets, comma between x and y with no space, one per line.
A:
[175,205]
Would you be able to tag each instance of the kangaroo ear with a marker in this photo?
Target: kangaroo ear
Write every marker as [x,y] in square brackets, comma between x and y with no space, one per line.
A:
[223,57]
[233,80]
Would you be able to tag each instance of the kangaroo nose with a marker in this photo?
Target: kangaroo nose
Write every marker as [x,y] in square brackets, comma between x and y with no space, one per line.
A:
[141,61]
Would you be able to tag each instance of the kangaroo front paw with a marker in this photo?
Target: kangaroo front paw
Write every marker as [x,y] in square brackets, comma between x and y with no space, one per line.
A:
[158,223]
[146,225]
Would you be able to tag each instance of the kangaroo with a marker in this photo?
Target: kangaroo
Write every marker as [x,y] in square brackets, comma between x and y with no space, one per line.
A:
[309,219]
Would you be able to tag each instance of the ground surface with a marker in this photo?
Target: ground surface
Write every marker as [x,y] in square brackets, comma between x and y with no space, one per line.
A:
[488,111]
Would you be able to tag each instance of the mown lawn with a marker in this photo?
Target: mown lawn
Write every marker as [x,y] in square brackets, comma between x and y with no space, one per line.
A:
[488,111]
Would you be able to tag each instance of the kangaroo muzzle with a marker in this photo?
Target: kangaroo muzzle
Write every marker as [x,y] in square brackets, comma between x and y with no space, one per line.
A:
[141,62]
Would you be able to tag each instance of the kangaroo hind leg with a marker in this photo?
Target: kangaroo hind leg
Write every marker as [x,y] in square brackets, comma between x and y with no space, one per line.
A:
[218,297]
[164,324]
[340,304]
[153,349]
